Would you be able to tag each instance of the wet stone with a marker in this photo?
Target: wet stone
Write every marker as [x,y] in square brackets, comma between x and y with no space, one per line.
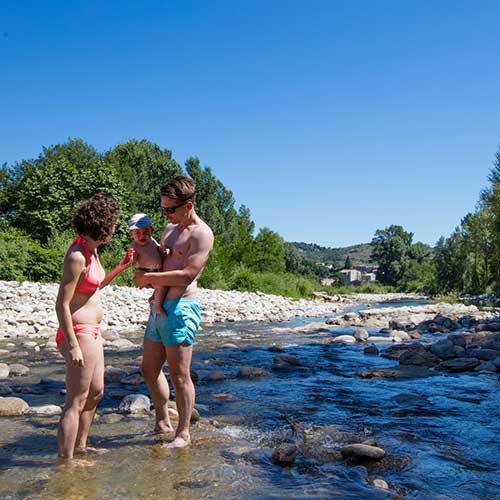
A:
[459,364]
[362,451]
[12,407]
[251,372]
[18,370]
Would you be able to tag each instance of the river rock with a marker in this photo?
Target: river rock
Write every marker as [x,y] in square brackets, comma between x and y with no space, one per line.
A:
[361,335]
[12,407]
[399,336]
[18,370]
[135,403]
[371,349]
[396,372]
[284,455]
[5,390]
[215,376]
[46,410]
[113,374]
[343,339]
[486,366]
[251,372]
[362,451]
[459,364]
[444,349]
[285,362]
[482,354]
[380,483]
[132,379]
[4,370]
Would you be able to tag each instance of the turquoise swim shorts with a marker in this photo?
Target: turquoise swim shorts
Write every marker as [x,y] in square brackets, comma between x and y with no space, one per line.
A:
[180,326]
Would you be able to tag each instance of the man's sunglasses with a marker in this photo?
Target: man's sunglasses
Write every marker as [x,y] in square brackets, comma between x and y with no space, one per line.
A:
[171,210]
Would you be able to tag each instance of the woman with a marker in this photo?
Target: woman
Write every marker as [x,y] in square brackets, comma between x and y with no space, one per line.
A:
[79,312]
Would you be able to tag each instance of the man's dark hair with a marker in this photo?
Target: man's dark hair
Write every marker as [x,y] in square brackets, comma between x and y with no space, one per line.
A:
[180,188]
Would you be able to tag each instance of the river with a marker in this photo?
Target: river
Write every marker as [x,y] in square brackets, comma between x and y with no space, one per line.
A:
[441,433]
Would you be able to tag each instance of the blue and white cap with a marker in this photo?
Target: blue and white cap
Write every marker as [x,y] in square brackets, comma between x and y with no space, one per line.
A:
[138,221]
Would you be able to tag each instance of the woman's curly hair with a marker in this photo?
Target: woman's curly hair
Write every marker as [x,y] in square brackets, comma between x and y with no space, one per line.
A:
[96,217]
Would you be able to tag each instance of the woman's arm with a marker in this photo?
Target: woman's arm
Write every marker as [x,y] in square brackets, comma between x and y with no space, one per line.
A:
[73,267]
[127,261]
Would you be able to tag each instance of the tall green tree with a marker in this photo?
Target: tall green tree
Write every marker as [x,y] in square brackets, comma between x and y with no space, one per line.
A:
[391,248]
[48,188]
[268,252]
[143,167]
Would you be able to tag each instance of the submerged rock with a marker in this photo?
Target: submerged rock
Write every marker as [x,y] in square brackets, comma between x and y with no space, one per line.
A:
[362,451]
[135,403]
[284,454]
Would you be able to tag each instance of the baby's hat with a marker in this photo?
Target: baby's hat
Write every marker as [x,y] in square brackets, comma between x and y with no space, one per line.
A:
[139,220]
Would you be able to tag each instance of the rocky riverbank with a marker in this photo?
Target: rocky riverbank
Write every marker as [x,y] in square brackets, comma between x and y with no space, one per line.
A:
[28,308]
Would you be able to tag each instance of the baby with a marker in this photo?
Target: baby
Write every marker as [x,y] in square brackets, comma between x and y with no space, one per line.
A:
[148,255]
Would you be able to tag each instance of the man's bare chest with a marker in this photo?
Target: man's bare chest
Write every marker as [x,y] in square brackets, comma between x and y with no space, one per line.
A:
[178,243]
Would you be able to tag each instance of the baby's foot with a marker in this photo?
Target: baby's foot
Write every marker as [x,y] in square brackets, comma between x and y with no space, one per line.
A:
[160,311]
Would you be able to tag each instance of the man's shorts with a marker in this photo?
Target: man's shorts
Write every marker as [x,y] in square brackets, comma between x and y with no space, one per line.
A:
[180,326]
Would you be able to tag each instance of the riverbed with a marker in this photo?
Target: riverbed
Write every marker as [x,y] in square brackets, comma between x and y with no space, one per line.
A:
[440,432]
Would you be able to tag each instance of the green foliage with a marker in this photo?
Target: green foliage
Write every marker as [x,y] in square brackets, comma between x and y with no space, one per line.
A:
[268,252]
[391,247]
[143,167]
[359,254]
[348,263]
[244,281]
[48,188]
[14,256]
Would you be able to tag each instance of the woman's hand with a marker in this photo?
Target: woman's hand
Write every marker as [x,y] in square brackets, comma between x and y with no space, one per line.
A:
[76,356]
[128,259]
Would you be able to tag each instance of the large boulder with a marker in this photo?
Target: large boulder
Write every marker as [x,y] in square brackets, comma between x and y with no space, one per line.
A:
[444,349]
[13,407]
[459,364]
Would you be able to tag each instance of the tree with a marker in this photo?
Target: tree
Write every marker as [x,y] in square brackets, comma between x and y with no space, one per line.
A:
[49,187]
[391,247]
[143,167]
[214,203]
[348,263]
[268,252]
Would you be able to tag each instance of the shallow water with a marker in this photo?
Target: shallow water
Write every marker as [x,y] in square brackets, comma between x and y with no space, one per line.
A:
[441,433]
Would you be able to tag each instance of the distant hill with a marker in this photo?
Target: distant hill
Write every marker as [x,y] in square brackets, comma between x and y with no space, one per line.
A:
[359,254]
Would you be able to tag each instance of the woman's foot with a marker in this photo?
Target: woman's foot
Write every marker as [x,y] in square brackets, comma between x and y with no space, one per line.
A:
[84,450]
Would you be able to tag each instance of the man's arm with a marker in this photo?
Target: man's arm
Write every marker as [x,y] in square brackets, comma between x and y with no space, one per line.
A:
[200,247]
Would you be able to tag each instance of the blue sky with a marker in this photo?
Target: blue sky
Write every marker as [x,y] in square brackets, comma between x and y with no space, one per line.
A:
[328,119]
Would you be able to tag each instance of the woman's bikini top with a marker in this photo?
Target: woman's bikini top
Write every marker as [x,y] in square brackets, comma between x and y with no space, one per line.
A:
[94,274]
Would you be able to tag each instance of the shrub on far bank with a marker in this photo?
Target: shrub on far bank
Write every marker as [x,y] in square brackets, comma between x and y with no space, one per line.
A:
[365,288]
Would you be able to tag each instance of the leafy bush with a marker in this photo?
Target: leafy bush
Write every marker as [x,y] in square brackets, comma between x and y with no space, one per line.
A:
[44,264]
[14,256]
[244,281]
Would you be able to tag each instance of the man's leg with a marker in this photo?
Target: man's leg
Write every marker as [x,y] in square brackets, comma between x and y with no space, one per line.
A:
[152,363]
[179,364]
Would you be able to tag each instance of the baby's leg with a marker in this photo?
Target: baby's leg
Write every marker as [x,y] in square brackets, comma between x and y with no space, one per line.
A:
[159,297]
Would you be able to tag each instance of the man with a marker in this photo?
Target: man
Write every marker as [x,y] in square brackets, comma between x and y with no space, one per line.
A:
[171,338]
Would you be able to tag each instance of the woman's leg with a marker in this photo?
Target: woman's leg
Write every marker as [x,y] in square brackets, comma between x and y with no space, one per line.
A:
[96,391]
[78,380]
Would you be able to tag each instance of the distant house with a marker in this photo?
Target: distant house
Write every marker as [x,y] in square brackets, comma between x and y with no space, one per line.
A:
[356,277]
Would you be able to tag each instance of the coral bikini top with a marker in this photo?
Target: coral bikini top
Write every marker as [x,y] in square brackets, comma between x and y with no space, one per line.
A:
[94,274]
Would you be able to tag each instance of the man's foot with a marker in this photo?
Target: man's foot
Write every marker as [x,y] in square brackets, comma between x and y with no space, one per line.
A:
[161,428]
[84,450]
[178,442]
